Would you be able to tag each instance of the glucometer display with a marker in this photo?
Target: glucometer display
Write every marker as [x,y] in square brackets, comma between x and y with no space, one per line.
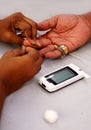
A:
[61,75]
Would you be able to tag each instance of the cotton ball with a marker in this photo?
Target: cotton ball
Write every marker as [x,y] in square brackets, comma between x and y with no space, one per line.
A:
[50,116]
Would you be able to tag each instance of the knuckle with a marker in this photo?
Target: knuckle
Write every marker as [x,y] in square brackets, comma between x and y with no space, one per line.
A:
[34,25]
[19,14]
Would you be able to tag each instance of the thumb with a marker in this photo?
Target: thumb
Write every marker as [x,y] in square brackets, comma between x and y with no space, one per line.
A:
[13,53]
[48,23]
[32,53]
[44,25]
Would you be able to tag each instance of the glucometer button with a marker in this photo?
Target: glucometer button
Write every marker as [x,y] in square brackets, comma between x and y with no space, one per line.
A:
[43,85]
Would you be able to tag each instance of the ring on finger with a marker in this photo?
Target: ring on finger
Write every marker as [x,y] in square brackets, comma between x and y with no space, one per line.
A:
[63,49]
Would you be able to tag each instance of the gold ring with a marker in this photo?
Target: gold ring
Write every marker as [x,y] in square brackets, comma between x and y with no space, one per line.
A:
[63,49]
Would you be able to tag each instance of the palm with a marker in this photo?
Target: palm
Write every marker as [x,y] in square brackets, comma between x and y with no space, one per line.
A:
[69,30]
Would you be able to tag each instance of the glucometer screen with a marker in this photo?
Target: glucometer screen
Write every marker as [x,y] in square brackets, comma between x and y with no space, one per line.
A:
[61,75]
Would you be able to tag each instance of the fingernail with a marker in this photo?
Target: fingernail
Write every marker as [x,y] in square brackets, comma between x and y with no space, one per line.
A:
[38,43]
[29,42]
[35,43]
[23,48]
[26,42]
[32,42]
[55,46]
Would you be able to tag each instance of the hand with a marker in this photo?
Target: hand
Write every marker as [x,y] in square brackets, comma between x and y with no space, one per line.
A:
[17,22]
[17,67]
[69,30]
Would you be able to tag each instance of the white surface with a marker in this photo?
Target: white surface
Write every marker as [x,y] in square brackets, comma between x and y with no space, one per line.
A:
[24,109]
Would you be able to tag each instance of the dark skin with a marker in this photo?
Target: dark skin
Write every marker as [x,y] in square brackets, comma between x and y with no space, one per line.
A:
[17,66]
[23,64]
[17,22]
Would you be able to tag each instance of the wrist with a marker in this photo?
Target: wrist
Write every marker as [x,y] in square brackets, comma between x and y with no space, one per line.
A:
[87,19]
[3,80]
[2,87]
[2,95]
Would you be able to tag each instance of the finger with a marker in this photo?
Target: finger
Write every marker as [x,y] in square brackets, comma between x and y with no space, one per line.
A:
[53,54]
[48,23]
[13,53]
[37,43]
[31,43]
[47,49]
[26,25]
[32,53]
[44,40]
[18,52]
[70,44]
[29,30]
[23,26]
[34,26]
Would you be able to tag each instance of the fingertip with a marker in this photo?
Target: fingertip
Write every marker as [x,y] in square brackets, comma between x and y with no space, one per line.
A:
[44,25]
[26,42]
[39,26]
[23,48]
[34,43]
[28,49]
[31,50]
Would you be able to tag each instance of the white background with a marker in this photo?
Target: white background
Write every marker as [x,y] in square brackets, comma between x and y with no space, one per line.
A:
[24,109]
